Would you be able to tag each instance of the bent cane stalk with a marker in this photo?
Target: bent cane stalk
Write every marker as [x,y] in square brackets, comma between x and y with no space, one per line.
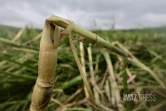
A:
[48,58]
[46,69]
[85,33]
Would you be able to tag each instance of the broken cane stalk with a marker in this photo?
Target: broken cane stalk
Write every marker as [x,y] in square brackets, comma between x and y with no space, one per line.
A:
[46,69]
[85,33]
[48,58]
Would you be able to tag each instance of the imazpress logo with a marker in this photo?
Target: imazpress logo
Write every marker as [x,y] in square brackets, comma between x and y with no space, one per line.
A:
[137,97]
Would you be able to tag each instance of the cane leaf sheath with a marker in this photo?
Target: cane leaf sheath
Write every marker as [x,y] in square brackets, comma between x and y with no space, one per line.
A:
[46,67]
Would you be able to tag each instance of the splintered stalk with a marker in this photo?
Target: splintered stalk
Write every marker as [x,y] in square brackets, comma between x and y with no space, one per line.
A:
[113,80]
[82,72]
[83,64]
[46,69]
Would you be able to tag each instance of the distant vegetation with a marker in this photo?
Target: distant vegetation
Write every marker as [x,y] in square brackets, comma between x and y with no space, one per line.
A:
[19,69]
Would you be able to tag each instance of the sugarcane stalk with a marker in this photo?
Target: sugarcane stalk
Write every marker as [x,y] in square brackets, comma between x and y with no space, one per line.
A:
[46,67]
[85,33]
[112,78]
[82,72]
[48,58]
[18,35]
[83,65]
[132,59]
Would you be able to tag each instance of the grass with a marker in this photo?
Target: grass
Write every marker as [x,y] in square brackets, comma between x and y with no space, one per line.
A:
[19,64]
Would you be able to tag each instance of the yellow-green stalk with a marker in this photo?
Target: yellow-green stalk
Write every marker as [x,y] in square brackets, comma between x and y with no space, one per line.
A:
[46,68]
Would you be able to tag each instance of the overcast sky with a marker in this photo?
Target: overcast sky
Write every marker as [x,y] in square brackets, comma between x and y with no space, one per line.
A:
[89,14]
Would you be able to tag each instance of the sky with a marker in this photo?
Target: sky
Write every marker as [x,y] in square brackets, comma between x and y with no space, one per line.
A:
[90,14]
